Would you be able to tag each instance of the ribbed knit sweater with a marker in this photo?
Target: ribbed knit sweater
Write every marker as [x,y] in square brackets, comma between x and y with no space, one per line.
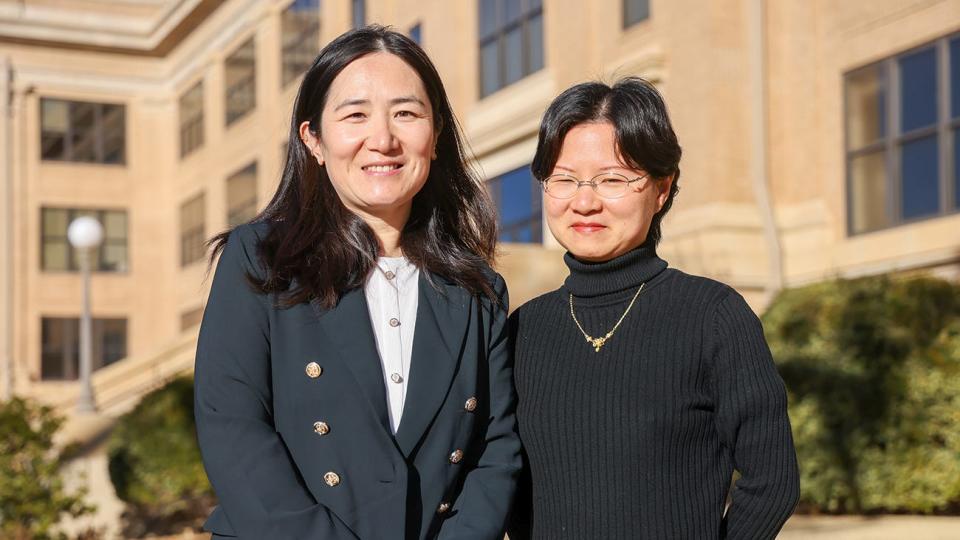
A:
[641,439]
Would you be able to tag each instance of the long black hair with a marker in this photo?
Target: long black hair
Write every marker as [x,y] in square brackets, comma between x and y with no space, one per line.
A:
[318,249]
[644,135]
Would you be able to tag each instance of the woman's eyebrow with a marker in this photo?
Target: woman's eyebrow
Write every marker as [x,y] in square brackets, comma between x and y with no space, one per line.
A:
[393,102]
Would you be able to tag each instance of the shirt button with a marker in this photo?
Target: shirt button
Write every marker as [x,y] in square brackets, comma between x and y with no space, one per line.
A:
[394,322]
[313,370]
[332,479]
[389,275]
[322,428]
[396,377]
[470,405]
[456,456]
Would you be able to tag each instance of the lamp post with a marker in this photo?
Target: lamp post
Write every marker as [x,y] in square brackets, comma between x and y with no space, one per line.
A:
[85,234]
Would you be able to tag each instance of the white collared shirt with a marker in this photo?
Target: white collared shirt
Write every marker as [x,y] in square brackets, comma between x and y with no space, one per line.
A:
[392,293]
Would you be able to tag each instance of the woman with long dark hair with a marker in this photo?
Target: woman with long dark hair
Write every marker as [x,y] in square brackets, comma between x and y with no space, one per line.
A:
[353,376]
[641,389]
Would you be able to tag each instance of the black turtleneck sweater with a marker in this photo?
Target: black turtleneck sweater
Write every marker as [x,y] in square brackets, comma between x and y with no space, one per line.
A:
[641,439]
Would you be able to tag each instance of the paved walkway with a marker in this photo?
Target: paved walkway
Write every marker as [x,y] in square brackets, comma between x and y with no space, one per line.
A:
[871,528]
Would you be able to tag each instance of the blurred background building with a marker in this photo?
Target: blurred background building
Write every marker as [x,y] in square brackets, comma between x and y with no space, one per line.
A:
[820,139]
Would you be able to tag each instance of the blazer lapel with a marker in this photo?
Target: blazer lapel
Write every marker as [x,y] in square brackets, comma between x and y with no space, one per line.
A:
[442,321]
[348,327]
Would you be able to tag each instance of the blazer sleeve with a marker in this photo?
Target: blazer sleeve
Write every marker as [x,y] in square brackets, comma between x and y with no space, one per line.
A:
[259,487]
[484,502]
[752,422]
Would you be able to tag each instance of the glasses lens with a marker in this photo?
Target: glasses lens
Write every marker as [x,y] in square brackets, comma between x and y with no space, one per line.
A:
[561,187]
[611,185]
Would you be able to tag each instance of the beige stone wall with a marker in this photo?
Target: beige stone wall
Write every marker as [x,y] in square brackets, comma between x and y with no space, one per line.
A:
[698,53]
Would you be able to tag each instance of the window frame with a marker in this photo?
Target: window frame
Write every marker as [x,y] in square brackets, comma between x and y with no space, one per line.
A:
[192,126]
[233,114]
[499,34]
[69,350]
[73,261]
[192,250]
[292,49]
[534,220]
[70,133]
[236,212]
[891,143]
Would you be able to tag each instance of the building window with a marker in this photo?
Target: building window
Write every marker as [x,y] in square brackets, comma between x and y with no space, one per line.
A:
[519,206]
[60,345]
[511,42]
[359,11]
[902,130]
[192,236]
[56,253]
[82,132]
[300,27]
[241,81]
[635,11]
[191,318]
[242,195]
[416,34]
[191,119]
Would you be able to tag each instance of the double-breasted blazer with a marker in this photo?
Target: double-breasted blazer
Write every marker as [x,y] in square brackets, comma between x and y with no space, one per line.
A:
[267,377]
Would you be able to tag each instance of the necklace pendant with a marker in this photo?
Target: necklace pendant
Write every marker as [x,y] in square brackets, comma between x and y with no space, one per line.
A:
[597,343]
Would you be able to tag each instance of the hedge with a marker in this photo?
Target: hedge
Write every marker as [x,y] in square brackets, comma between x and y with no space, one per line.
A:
[872,368]
[155,465]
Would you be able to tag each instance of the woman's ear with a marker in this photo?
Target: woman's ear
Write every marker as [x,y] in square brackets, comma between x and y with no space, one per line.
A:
[663,190]
[312,141]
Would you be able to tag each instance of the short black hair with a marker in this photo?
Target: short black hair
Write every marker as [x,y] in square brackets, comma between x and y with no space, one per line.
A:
[645,136]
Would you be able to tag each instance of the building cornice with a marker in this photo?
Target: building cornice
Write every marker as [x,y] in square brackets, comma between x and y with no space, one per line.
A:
[146,27]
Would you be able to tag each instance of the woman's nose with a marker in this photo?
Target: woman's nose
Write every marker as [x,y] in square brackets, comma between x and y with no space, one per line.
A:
[381,137]
[586,200]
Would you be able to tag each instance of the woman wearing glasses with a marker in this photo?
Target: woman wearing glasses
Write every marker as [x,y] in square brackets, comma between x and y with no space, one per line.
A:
[641,388]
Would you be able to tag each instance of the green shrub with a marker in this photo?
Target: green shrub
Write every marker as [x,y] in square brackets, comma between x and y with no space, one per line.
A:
[32,494]
[872,367]
[155,464]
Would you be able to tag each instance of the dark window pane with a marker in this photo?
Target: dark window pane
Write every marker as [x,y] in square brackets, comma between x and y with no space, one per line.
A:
[240,77]
[192,217]
[918,90]
[59,354]
[511,11]
[488,18]
[489,69]
[415,34]
[112,336]
[191,318]
[113,134]
[955,77]
[920,188]
[518,206]
[956,169]
[535,39]
[635,11]
[868,193]
[866,103]
[242,196]
[83,140]
[53,126]
[191,119]
[513,55]
[300,29]
[359,13]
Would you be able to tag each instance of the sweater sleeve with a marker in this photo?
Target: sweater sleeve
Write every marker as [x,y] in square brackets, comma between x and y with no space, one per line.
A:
[752,423]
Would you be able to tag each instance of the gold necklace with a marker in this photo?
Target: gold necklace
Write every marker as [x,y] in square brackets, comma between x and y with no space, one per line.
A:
[596,343]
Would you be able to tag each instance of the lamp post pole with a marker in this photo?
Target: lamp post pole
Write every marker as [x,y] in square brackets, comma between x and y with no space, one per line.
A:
[85,234]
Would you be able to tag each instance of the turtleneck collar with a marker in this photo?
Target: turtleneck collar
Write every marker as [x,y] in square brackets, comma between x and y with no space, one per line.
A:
[629,270]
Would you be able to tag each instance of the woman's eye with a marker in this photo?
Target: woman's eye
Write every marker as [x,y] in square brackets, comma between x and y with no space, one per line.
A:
[406,114]
[611,181]
[355,116]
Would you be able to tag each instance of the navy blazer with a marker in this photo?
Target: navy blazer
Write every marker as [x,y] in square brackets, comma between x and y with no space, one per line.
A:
[257,403]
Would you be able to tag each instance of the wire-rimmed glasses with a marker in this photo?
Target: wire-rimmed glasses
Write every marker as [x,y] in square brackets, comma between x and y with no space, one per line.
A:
[607,185]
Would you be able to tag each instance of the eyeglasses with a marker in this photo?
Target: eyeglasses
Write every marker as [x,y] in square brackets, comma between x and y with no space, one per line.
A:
[606,185]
